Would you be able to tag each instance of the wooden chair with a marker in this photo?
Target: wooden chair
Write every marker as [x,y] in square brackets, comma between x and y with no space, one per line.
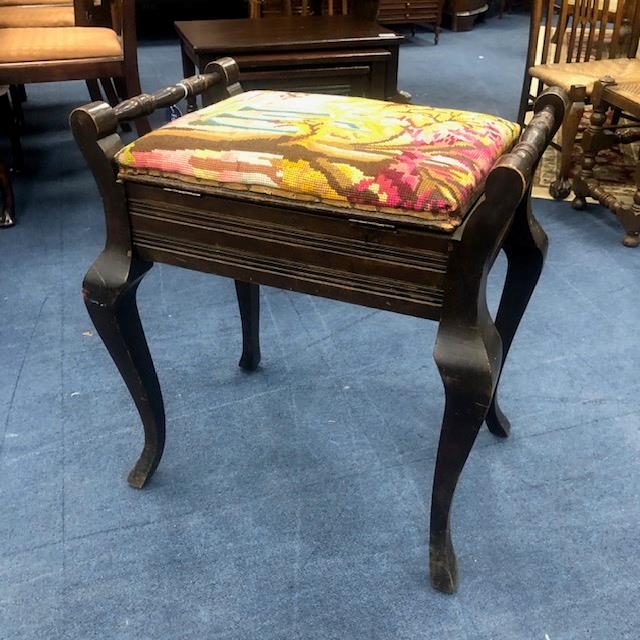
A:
[572,45]
[102,45]
[260,8]
[398,235]
[607,94]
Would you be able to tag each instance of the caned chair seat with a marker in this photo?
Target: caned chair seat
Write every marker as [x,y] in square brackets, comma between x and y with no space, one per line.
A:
[341,151]
[36,16]
[587,74]
[33,44]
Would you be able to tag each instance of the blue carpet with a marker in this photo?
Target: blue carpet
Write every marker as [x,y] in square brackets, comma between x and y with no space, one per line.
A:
[292,503]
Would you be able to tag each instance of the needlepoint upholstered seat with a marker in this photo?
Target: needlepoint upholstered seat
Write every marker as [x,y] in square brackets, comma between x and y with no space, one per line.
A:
[389,206]
[343,151]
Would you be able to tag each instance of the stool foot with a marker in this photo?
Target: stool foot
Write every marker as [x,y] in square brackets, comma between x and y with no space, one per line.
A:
[631,240]
[497,422]
[249,304]
[443,566]
[144,468]
[109,291]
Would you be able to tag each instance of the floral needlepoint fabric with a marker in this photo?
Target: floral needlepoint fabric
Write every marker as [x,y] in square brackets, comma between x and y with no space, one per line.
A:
[342,151]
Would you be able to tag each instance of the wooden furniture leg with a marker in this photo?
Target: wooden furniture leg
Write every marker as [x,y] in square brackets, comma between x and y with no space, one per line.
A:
[109,291]
[526,248]
[468,389]
[560,188]
[94,90]
[7,204]
[249,304]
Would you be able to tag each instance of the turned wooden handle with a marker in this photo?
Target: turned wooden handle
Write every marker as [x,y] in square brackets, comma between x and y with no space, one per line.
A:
[521,162]
[223,71]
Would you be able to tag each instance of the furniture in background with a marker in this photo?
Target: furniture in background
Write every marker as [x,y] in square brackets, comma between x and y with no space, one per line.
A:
[314,194]
[412,12]
[36,13]
[328,54]
[626,98]
[7,123]
[463,14]
[102,45]
[572,45]
[7,207]
[262,8]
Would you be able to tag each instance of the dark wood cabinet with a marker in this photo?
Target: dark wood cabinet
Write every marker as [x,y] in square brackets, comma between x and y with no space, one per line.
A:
[411,12]
[464,13]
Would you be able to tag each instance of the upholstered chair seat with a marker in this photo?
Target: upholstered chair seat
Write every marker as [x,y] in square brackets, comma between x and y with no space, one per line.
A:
[33,44]
[36,16]
[397,160]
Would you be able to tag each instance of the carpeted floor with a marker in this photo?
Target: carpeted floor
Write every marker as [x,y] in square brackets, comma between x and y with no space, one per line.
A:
[292,503]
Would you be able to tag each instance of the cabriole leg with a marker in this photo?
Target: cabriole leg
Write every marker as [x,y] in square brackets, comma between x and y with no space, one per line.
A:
[249,304]
[109,291]
[465,364]
[526,247]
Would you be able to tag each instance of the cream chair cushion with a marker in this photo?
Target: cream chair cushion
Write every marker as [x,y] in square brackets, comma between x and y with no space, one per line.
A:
[36,16]
[64,43]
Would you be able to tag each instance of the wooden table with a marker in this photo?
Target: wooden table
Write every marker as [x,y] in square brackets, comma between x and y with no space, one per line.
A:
[321,54]
[626,97]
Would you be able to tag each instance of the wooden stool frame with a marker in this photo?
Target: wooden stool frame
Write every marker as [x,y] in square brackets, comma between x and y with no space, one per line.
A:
[388,262]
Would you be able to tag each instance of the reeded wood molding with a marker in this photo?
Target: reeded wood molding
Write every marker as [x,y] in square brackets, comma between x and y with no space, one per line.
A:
[432,261]
[151,245]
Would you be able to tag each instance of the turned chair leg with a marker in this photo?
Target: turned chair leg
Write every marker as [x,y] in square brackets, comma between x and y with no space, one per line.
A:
[468,355]
[109,291]
[560,188]
[249,304]
[526,248]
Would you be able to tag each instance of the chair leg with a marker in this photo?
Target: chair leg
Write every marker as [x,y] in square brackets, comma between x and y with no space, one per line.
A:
[7,206]
[560,188]
[468,353]
[249,304]
[18,96]
[7,116]
[109,291]
[524,98]
[94,90]
[526,247]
